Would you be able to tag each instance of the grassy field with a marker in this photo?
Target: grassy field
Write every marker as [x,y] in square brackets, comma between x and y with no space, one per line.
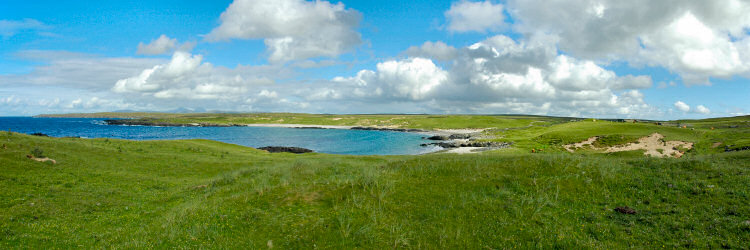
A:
[198,193]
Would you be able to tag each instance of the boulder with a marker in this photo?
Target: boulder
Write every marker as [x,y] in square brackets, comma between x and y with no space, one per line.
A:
[625,210]
[280,149]
[438,138]
[459,136]
[478,144]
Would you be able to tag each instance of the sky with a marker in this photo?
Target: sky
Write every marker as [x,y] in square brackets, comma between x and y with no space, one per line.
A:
[669,59]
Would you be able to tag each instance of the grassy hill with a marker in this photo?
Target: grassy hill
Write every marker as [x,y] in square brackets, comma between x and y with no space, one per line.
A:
[198,193]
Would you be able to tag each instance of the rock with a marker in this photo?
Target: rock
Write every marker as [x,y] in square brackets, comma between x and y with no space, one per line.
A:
[625,210]
[733,148]
[459,136]
[40,134]
[278,149]
[479,144]
[310,127]
[444,144]
[437,138]
[451,137]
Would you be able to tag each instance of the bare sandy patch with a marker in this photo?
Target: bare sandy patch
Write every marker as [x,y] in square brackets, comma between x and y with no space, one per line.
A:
[654,145]
[44,159]
[572,147]
[465,150]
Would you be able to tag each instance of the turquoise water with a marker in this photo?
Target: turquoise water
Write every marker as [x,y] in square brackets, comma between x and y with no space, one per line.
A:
[331,141]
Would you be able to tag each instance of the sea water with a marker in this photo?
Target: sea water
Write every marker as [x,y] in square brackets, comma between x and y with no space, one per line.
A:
[331,141]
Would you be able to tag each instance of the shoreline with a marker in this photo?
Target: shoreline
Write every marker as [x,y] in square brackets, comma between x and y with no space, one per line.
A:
[460,141]
[443,132]
[459,149]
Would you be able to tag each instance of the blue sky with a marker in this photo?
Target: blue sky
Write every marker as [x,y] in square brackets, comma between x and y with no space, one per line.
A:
[577,58]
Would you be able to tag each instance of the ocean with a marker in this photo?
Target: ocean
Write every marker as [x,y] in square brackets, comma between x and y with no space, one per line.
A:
[331,141]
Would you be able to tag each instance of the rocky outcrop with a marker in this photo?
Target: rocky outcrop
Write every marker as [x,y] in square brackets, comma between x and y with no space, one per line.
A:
[462,144]
[459,136]
[450,137]
[438,138]
[733,148]
[279,149]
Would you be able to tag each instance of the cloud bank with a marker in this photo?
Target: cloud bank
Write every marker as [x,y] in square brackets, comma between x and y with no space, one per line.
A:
[696,39]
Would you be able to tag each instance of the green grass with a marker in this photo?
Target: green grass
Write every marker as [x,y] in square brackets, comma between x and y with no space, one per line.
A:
[107,193]
[399,121]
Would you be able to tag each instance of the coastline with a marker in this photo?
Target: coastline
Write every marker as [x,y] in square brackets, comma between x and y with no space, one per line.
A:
[458,141]
[280,125]
[460,144]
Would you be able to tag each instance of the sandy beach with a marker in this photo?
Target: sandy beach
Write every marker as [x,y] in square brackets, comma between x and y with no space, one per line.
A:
[275,125]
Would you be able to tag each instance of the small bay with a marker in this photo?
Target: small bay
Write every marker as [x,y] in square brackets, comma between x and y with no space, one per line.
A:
[331,141]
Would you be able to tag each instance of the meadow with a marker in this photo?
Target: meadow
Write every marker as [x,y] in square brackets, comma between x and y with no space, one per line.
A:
[106,193]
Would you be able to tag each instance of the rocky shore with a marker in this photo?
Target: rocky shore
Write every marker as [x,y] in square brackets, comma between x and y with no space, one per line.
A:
[469,143]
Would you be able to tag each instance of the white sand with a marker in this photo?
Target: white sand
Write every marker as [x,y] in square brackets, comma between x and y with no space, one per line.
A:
[275,125]
[465,150]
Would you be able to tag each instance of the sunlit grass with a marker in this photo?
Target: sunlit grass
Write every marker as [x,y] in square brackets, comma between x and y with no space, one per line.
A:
[198,193]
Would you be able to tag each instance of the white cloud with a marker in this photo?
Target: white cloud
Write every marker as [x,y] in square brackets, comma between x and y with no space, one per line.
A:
[434,50]
[9,28]
[694,38]
[497,75]
[702,110]
[681,106]
[466,16]
[291,29]
[185,77]
[163,45]
[76,70]
[410,79]
[47,99]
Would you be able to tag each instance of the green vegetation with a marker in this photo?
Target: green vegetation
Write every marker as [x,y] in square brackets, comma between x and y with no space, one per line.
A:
[396,121]
[526,132]
[196,193]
